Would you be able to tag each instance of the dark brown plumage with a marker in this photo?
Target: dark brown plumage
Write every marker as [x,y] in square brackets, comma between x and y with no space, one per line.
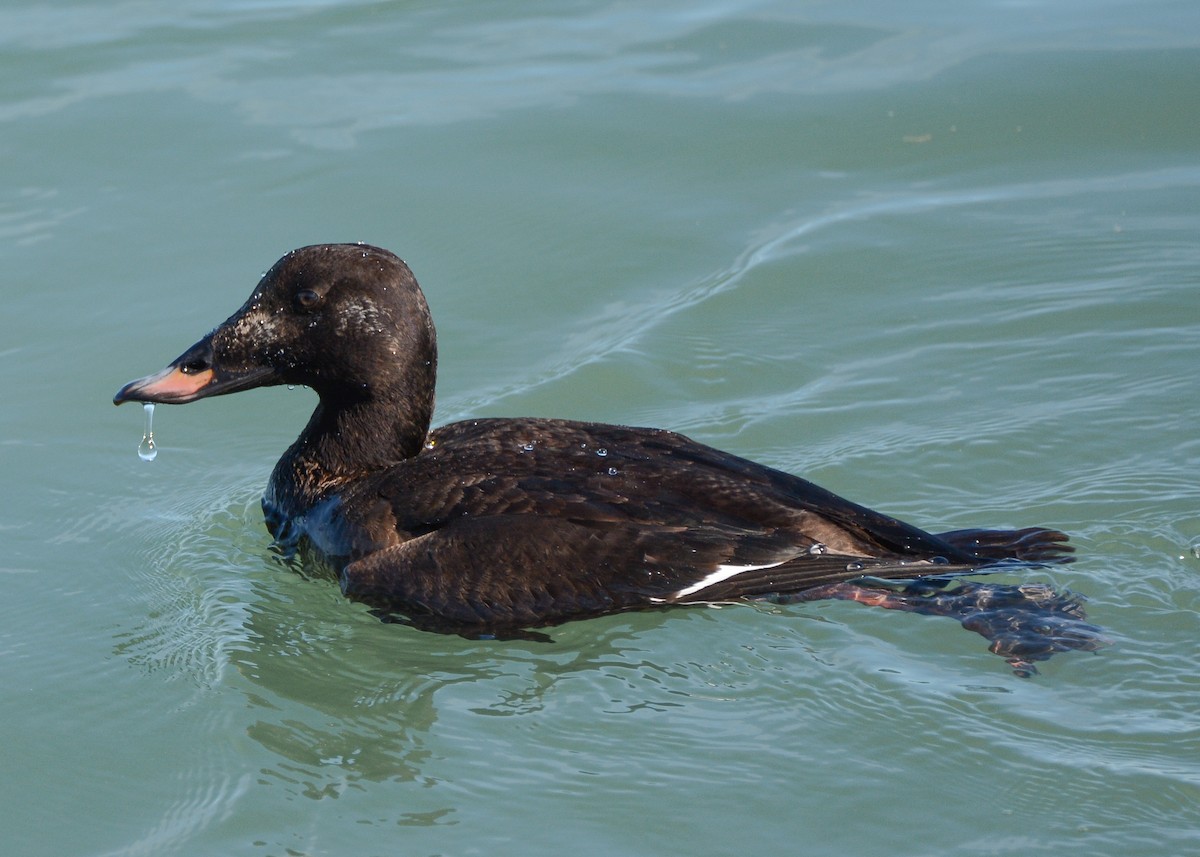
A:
[496,525]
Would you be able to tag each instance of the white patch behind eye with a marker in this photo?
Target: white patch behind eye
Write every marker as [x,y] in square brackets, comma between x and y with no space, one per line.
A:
[360,315]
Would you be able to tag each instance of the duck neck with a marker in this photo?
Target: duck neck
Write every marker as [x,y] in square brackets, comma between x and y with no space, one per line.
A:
[346,440]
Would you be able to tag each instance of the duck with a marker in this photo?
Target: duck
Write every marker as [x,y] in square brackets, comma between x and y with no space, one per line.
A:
[491,526]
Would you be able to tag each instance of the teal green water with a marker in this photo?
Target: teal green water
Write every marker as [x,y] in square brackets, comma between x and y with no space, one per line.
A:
[940,258]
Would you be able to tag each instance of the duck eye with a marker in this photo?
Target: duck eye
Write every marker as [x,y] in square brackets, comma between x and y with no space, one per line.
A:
[307,299]
[193,367]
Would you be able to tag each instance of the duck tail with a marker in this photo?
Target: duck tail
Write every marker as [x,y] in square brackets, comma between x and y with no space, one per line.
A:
[1032,544]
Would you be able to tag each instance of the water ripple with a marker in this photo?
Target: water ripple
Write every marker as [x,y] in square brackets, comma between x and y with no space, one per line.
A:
[626,326]
[192,584]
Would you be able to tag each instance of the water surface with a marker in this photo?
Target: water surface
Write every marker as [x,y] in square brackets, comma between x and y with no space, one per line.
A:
[940,260]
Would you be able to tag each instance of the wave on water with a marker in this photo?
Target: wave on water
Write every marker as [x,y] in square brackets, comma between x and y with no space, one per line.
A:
[193,587]
[623,325]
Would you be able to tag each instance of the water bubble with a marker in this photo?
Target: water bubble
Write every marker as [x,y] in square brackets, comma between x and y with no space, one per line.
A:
[816,549]
[601,452]
[612,471]
[527,446]
[854,566]
[146,449]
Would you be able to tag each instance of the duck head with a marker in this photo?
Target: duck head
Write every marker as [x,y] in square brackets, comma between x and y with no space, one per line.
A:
[347,320]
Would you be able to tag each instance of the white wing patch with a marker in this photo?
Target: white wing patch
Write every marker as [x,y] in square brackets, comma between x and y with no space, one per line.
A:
[723,572]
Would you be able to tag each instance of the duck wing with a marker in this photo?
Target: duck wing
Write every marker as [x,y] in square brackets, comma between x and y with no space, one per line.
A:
[532,522]
[511,571]
[604,473]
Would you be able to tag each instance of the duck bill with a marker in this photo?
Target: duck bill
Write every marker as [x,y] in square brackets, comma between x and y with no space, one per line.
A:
[170,386]
[191,376]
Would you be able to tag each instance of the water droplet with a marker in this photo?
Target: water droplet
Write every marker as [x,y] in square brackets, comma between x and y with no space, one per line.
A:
[146,449]
[527,446]
[601,452]
[816,549]
[939,560]
[612,471]
[854,566]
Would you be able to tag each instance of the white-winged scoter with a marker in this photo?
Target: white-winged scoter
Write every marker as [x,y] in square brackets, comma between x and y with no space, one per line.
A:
[487,527]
